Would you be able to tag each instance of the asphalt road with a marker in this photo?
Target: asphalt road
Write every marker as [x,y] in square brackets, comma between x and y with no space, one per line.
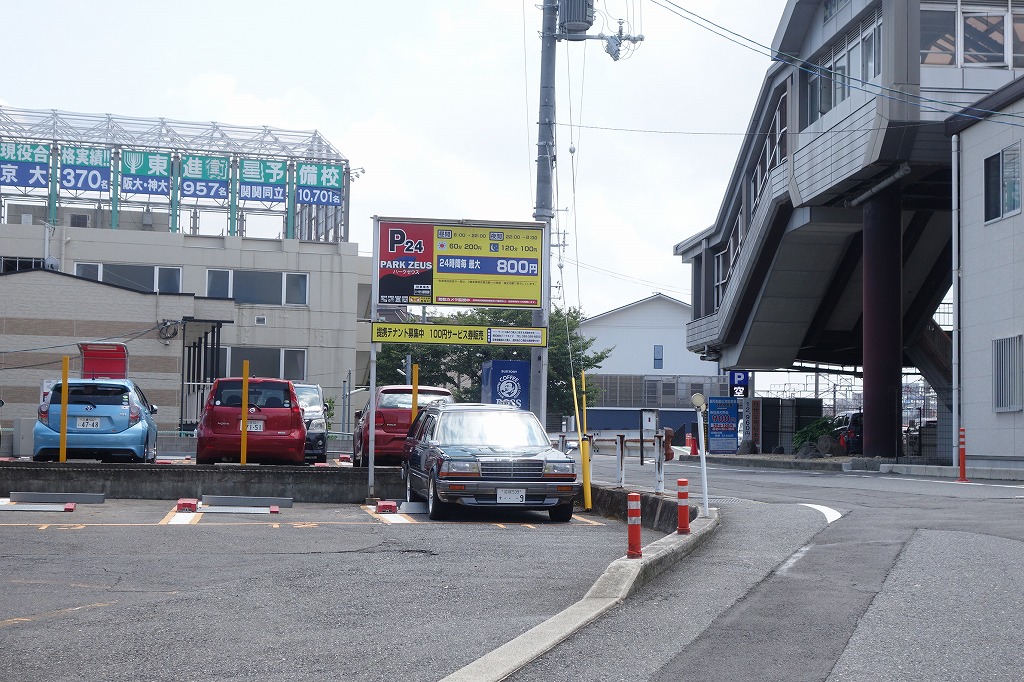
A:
[317,592]
[919,580]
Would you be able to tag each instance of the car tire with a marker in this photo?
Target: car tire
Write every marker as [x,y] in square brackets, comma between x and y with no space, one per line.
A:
[436,509]
[561,514]
[410,494]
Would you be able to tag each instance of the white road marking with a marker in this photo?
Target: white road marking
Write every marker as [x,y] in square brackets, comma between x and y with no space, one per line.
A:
[181,518]
[791,561]
[830,514]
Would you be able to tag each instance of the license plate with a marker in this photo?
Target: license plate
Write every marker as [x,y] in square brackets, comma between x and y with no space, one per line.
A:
[252,426]
[511,496]
[88,423]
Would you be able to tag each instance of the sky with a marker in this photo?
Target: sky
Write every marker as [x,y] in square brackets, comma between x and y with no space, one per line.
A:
[436,102]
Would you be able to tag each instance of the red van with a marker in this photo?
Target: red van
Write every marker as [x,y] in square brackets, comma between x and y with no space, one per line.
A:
[392,419]
[276,432]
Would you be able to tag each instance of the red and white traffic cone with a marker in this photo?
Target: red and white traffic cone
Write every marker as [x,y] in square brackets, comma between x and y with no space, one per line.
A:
[683,501]
[633,526]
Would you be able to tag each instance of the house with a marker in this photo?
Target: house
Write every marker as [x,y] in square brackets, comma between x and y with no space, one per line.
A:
[833,243]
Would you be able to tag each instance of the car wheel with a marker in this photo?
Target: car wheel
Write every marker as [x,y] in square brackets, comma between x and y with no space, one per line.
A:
[410,496]
[561,514]
[436,509]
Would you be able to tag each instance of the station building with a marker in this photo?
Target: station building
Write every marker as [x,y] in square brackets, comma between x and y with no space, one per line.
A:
[834,242]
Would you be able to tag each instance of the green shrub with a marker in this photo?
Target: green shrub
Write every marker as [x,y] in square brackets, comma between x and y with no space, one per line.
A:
[810,433]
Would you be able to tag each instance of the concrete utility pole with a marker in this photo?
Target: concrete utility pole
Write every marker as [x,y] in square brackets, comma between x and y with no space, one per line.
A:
[576,17]
[543,211]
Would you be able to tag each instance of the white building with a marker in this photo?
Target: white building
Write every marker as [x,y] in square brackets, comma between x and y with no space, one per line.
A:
[649,365]
[992,277]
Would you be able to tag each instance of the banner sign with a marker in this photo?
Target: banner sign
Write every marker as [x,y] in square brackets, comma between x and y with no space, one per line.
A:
[461,335]
[723,419]
[460,265]
[145,172]
[505,382]
[318,183]
[261,180]
[24,164]
[85,169]
[205,176]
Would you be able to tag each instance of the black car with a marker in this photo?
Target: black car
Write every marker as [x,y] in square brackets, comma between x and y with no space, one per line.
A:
[486,456]
[848,430]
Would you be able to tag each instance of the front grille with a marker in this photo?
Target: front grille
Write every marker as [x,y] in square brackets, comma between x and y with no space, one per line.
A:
[512,469]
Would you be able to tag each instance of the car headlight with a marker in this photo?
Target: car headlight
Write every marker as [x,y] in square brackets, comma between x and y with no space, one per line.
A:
[317,425]
[456,467]
[560,469]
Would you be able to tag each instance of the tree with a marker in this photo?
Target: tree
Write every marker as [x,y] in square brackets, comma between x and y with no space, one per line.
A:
[460,367]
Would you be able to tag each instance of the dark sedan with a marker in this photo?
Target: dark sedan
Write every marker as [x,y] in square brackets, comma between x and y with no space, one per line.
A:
[486,456]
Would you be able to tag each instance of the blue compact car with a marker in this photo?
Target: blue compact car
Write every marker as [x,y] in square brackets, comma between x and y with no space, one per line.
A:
[108,419]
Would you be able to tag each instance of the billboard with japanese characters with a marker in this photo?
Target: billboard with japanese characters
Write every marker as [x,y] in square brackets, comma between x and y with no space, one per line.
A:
[460,264]
[145,172]
[24,164]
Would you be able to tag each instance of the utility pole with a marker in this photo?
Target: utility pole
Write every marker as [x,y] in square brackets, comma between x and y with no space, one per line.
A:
[544,211]
[576,17]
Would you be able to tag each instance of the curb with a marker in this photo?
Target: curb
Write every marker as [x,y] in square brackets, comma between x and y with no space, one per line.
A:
[622,578]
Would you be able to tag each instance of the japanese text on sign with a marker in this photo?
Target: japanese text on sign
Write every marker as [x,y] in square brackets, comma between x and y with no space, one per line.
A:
[386,332]
[24,165]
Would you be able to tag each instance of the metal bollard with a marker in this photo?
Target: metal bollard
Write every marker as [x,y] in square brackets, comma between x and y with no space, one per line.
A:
[633,526]
[620,459]
[683,502]
[963,456]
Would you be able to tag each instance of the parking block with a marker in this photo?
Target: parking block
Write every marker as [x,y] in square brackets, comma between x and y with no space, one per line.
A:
[187,504]
[387,507]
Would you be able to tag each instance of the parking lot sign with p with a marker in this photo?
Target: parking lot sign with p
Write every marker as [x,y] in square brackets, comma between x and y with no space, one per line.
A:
[738,382]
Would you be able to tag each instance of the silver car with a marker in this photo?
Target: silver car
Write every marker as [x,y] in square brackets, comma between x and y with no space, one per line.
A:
[486,456]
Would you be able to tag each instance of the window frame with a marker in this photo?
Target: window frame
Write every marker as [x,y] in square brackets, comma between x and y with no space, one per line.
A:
[1009,198]
[1008,374]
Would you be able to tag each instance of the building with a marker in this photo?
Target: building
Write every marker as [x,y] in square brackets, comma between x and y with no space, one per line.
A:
[649,365]
[833,244]
[988,137]
[110,257]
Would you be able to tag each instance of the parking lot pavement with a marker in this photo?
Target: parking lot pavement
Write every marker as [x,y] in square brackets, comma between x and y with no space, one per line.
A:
[315,592]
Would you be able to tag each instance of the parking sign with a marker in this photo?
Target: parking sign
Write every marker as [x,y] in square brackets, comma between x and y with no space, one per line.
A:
[738,382]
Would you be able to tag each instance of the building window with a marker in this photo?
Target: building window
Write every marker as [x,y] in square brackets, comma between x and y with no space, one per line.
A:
[1008,374]
[276,363]
[79,220]
[218,283]
[833,6]
[659,357]
[978,34]
[850,61]
[144,278]
[17,264]
[259,287]
[1002,183]
[295,290]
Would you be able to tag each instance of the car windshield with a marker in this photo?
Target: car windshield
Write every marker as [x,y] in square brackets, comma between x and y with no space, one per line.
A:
[261,394]
[491,427]
[309,397]
[94,394]
[403,401]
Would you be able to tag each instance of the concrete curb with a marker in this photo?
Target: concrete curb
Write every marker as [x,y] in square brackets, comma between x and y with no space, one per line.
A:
[622,578]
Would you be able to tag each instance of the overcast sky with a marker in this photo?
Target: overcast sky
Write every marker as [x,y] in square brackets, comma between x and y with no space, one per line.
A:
[437,101]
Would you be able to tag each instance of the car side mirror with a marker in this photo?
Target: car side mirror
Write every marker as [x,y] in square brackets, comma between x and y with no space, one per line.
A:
[152,409]
[359,414]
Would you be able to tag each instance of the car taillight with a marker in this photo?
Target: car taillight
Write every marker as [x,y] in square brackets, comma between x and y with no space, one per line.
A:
[134,415]
[297,416]
[378,419]
[44,413]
